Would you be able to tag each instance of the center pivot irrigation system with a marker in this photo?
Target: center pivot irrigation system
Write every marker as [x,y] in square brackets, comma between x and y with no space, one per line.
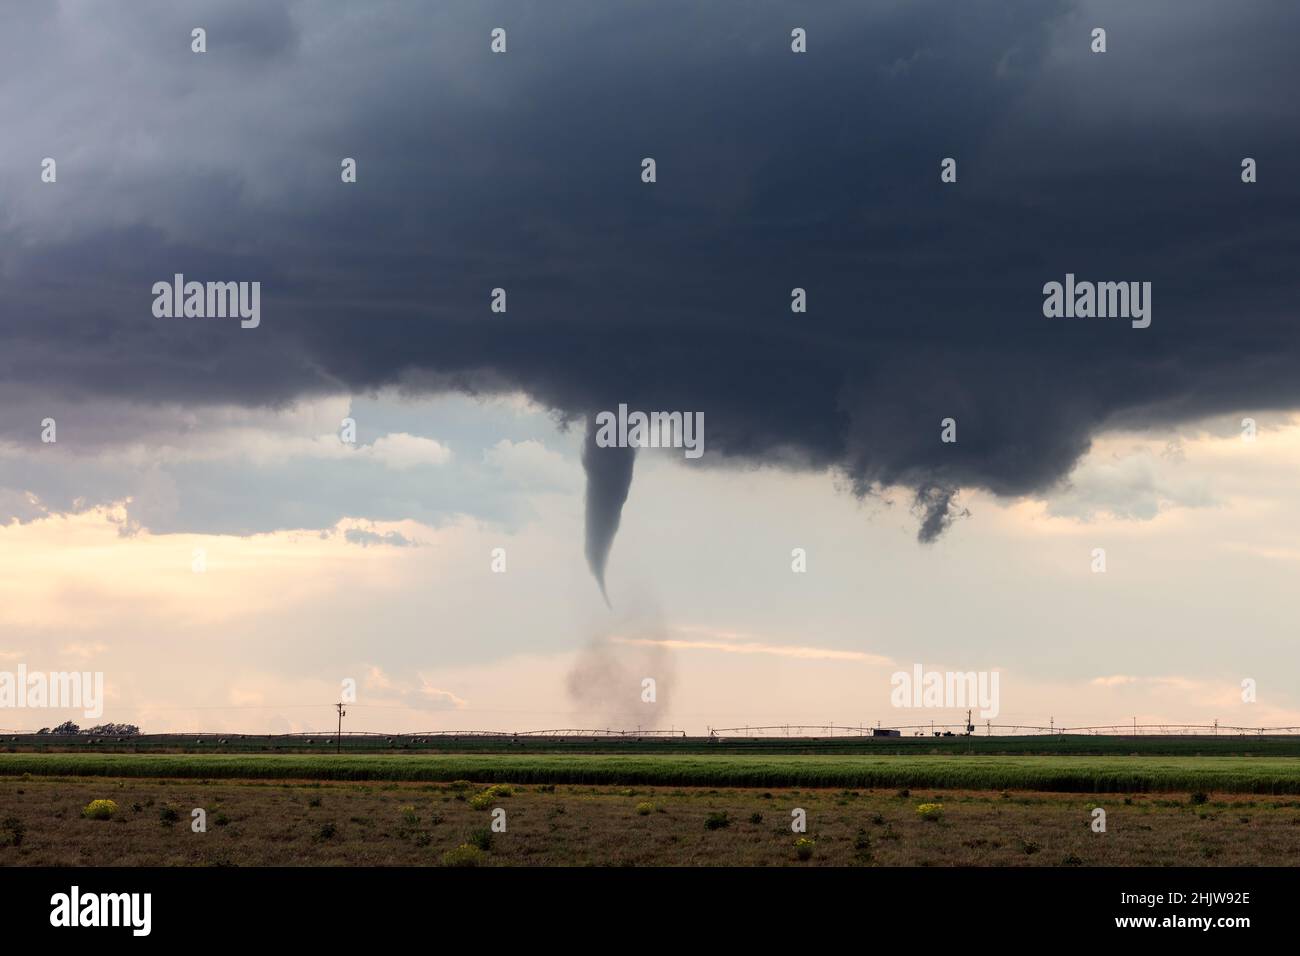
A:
[997,730]
[862,730]
[771,732]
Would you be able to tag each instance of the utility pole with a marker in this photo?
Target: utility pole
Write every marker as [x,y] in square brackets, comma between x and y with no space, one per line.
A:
[338,741]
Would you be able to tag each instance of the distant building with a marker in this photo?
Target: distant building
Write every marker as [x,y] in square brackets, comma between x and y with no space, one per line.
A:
[881,732]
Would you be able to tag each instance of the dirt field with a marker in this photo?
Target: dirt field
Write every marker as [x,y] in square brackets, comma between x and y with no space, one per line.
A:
[421,824]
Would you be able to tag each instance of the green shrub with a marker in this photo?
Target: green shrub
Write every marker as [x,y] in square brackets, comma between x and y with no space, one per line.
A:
[717,820]
[485,798]
[463,855]
[481,837]
[99,810]
[803,848]
[930,811]
[167,814]
[645,808]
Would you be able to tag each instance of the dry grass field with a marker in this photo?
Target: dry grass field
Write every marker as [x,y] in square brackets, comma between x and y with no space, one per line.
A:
[265,823]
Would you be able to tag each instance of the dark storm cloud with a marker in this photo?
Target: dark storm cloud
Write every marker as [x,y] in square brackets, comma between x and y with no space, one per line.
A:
[367,538]
[775,170]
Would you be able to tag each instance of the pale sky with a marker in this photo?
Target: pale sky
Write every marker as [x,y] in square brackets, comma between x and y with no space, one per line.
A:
[1199,529]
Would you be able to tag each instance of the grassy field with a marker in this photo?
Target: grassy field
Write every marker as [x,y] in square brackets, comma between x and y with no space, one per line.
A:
[428,824]
[1068,774]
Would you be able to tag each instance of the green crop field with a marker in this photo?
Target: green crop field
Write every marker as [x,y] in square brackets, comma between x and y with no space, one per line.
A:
[1074,774]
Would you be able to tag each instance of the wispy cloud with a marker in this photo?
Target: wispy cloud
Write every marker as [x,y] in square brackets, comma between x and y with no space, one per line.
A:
[731,642]
[1175,683]
[399,693]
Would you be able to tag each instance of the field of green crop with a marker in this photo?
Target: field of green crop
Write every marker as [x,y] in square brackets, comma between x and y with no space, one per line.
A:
[1073,774]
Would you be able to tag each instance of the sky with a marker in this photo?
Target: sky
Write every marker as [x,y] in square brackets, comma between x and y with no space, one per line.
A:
[200,533]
